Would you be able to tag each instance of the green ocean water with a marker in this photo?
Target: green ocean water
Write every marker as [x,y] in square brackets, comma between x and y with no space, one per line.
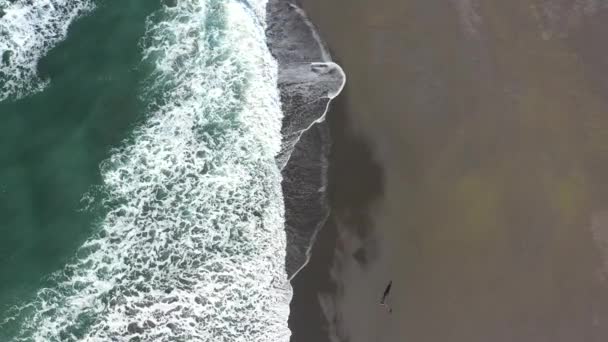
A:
[52,142]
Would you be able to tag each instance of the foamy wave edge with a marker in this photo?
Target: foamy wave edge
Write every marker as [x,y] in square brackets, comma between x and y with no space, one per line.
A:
[28,30]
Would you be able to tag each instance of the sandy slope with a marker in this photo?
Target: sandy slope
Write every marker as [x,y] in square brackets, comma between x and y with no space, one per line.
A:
[490,124]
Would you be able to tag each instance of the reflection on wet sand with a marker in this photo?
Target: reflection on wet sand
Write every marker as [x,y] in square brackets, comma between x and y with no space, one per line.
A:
[490,121]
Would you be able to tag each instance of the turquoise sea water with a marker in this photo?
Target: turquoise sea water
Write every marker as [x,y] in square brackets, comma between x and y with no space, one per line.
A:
[139,195]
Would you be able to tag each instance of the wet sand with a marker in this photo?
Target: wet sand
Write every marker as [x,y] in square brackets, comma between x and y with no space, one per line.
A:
[488,206]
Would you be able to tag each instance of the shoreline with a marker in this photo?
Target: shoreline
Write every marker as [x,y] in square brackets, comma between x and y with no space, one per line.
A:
[307,83]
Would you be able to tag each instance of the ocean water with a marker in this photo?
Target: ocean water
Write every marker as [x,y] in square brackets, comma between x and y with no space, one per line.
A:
[139,194]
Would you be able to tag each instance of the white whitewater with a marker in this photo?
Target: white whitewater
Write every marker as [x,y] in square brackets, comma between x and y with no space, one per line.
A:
[193,248]
[28,30]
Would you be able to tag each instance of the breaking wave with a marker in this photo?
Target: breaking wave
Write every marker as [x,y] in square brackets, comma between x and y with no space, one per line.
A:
[28,30]
[192,247]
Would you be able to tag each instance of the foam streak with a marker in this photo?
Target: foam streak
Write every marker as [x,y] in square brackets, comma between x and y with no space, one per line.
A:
[28,30]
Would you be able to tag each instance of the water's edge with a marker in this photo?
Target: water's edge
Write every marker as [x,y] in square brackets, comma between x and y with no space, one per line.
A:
[308,80]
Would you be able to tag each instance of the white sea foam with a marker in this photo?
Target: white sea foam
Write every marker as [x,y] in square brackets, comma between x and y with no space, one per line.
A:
[193,248]
[28,30]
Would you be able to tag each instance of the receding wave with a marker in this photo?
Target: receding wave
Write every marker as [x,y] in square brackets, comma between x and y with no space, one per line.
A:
[28,30]
[192,247]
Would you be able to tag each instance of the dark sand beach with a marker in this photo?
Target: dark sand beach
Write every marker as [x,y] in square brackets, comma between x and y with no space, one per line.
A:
[470,166]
